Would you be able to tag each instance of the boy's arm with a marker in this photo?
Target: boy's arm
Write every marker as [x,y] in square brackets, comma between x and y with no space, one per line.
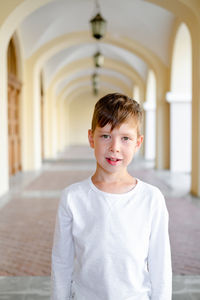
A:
[159,258]
[62,253]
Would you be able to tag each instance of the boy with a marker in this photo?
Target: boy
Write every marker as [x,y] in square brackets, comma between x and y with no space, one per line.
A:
[111,238]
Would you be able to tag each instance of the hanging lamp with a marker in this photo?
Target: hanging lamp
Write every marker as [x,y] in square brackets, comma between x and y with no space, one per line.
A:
[95,83]
[98,24]
[98,59]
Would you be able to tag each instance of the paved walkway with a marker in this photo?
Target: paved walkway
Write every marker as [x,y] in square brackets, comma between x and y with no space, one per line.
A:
[27,218]
[38,288]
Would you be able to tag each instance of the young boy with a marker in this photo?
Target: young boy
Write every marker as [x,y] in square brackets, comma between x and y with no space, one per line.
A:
[111,238]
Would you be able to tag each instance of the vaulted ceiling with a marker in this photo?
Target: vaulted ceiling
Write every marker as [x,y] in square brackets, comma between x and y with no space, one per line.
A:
[141,22]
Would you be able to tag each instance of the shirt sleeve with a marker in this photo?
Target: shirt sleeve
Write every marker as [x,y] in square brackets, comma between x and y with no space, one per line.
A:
[62,253]
[159,257]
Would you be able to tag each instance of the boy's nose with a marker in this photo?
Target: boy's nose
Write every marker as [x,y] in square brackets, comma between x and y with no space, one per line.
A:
[114,146]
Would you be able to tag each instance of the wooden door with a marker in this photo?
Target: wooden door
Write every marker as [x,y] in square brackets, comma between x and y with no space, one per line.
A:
[14,141]
[42,115]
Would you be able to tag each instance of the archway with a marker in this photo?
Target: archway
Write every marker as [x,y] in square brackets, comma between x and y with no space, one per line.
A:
[180,98]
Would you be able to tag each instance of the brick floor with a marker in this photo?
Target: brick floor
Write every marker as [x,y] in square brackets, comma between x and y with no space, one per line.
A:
[184,226]
[27,223]
[184,235]
[57,180]
[26,233]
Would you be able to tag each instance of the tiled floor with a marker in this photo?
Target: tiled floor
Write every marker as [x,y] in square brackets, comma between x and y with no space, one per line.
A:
[38,288]
[27,217]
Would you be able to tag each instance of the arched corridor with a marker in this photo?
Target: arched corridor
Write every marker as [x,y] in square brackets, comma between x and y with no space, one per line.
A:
[62,60]
[47,94]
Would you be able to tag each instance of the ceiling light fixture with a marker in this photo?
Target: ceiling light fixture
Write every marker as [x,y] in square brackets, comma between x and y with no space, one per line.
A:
[98,59]
[98,24]
[95,83]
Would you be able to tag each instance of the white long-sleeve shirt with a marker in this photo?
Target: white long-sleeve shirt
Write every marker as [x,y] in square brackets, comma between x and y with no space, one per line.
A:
[111,246]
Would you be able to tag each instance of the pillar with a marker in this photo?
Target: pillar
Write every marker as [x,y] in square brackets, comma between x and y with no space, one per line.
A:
[180,132]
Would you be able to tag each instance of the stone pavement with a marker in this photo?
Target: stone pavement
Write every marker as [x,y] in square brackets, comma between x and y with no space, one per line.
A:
[27,218]
[38,288]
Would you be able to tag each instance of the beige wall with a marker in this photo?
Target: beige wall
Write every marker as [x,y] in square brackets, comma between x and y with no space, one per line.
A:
[80,115]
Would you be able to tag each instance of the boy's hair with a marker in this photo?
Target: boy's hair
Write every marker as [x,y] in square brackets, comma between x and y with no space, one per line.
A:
[115,109]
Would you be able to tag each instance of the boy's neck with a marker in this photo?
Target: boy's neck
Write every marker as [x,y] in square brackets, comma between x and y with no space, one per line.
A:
[114,182]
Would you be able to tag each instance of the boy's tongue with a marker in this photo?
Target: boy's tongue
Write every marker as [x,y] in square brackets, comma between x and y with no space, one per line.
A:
[112,161]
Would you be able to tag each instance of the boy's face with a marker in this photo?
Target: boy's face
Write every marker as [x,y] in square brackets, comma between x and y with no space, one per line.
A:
[115,149]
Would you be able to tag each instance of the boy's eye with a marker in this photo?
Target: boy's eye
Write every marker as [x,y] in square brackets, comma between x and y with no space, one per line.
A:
[105,136]
[125,138]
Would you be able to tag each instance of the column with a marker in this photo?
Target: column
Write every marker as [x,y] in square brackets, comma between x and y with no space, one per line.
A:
[149,130]
[180,131]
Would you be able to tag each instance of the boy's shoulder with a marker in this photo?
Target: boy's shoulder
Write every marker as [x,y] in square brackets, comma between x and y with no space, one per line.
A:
[147,187]
[77,187]
[153,195]
[152,192]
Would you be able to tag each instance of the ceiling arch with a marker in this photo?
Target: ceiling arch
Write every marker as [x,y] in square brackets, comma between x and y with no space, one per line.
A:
[105,80]
[27,12]
[138,21]
[120,68]
[70,94]
[38,60]
[77,52]
[65,80]
[45,26]
[15,13]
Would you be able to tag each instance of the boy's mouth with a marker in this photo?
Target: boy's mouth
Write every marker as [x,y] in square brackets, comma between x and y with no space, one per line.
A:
[113,161]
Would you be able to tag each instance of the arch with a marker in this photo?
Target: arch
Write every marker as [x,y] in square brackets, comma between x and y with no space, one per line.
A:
[87,50]
[180,97]
[87,79]
[65,81]
[111,64]
[36,61]
[68,70]
[181,68]
[188,12]
[12,14]
[77,84]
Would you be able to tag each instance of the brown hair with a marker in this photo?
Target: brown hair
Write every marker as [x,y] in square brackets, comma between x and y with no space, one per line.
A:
[115,109]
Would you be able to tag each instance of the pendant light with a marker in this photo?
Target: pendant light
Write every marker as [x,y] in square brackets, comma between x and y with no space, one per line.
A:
[95,83]
[98,24]
[98,59]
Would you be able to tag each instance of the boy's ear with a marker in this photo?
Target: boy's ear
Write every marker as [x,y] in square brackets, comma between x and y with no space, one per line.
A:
[90,138]
[139,141]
